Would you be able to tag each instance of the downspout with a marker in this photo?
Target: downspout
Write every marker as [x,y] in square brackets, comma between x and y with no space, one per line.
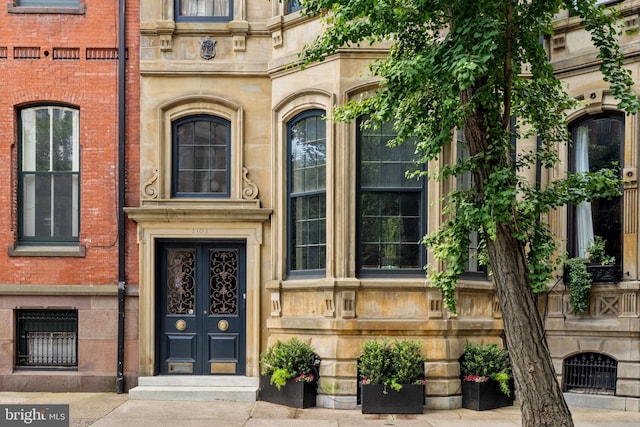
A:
[122,59]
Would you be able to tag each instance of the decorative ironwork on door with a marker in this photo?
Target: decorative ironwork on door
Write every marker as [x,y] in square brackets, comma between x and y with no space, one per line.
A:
[181,293]
[223,286]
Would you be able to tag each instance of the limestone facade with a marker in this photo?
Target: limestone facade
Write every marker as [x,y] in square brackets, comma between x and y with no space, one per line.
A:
[249,84]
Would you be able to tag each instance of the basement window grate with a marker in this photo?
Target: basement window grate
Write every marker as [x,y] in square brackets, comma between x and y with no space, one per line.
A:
[591,373]
[47,338]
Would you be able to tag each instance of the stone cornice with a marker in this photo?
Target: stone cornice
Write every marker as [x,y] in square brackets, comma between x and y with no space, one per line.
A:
[241,213]
[60,290]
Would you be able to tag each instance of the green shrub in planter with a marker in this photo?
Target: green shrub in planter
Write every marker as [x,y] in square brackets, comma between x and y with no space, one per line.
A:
[391,363]
[479,363]
[290,359]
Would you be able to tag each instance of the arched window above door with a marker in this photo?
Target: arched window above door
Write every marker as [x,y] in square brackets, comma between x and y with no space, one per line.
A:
[201,161]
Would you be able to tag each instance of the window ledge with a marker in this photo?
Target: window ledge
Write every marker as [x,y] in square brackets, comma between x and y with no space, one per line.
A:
[48,251]
[80,10]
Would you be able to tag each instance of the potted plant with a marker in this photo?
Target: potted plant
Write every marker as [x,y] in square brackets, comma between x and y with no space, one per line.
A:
[290,373]
[487,382]
[581,273]
[600,265]
[391,376]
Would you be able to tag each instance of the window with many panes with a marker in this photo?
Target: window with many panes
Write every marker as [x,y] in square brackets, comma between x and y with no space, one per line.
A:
[391,207]
[464,182]
[203,10]
[201,156]
[597,144]
[49,189]
[306,137]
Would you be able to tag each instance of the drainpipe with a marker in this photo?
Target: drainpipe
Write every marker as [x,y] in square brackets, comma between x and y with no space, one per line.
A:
[122,59]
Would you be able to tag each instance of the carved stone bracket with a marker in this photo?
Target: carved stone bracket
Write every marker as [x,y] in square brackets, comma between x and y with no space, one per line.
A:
[276,307]
[249,188]
[435,305]
[150,186]
[348,304]
[240,29]
[329,305]
[239,43]
[276,39]
[165,30]
[497,313]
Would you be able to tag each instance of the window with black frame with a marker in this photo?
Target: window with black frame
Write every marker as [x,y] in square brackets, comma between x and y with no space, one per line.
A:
[597,143]
[204,10]
[464,182]
[391,207]
[293,6]
[49,175]
[201,157]
[306,138]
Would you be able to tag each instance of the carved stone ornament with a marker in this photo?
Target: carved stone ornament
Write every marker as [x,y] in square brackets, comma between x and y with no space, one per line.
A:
[207,48]
[150,186]
[249,188]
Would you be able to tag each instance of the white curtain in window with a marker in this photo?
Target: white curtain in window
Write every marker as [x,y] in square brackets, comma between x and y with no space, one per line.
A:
[204,7]
[584,220]
[221,8]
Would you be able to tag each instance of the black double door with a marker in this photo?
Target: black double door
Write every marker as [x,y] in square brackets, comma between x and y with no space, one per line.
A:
[201,291]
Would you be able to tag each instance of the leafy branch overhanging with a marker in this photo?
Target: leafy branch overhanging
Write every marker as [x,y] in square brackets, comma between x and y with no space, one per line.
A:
[474,65]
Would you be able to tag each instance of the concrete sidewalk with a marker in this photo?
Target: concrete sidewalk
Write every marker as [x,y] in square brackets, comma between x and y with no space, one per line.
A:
[113,410]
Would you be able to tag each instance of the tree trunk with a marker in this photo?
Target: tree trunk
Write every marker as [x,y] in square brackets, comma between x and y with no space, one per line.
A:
[539,392]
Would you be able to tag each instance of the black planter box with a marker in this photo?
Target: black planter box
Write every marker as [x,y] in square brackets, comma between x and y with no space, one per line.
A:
[603,273]
[295,394]
[599,273]
[486,395]
[409,400]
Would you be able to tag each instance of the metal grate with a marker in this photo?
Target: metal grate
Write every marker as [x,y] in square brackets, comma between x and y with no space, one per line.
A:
[592,373]
[47,338]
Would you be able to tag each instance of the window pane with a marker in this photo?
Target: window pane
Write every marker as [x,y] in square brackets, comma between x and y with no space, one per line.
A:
[390,229]
[384,166]
[201,164]
[204,7]
[43,215]
[293,6]
[391,223]
[43,139]
[62,141]
[49,198]
[597,144]
[307,175]
[63,190]
[465,182]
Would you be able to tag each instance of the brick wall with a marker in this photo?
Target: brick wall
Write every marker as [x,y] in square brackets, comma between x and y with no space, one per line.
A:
[76,64]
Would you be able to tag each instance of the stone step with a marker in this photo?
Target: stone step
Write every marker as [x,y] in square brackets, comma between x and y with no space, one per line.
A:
[196,388]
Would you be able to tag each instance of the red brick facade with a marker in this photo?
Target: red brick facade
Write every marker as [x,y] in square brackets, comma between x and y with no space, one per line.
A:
[52,57]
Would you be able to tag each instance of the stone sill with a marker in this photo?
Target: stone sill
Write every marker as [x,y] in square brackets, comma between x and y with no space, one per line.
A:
[79,251]
[81,10]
